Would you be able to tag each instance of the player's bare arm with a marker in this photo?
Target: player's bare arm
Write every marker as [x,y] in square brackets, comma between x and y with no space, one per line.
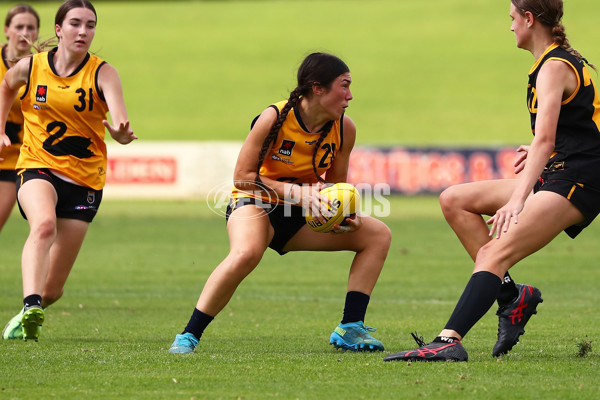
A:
[110,85]
[13,80]
[553,81]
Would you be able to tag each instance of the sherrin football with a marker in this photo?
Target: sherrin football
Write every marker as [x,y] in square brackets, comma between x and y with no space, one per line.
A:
[344,202]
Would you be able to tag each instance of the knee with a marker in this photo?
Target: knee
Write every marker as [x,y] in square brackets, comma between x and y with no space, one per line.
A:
[450,201]
[243,261]
[45,230]
[380,237]
[385,236]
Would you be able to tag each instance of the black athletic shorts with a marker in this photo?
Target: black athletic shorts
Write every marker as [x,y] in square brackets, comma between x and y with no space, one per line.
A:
[585,198]
[285,220]
[8,175]
[74,201]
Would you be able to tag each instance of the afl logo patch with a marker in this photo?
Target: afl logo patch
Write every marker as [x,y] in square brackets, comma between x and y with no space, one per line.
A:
[40,93]
[286,148]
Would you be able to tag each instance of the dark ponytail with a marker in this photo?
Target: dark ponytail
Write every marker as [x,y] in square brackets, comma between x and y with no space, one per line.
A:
[322,137]
[559,36]
[317,69]
[293,100]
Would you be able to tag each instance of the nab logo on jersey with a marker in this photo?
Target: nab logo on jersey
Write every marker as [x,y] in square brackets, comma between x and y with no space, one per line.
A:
[40,93]
[286,148]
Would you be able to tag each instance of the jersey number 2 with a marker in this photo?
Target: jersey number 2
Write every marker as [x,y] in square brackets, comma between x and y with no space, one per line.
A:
[76,146]
[329,149]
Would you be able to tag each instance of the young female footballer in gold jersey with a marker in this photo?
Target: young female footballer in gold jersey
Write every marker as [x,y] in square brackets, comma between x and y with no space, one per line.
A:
[21,27]
[278,173]
[558,188]
[62,166]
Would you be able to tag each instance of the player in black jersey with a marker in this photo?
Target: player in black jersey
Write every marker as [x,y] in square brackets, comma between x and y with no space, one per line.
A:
[558,186]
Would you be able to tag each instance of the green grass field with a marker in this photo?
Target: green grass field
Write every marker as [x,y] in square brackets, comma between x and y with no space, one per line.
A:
[424,72]
[143,266]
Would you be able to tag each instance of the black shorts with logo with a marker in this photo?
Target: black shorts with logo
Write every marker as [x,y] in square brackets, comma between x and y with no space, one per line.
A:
[8,175]
[584,197]
[285,220]
[74,201]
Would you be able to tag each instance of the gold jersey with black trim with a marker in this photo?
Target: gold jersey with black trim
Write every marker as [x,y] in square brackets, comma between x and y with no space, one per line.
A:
[576,155]
[290,158]
[14,124]
[63,121]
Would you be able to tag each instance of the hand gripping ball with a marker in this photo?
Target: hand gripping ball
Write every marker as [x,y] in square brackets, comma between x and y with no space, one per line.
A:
[344,202]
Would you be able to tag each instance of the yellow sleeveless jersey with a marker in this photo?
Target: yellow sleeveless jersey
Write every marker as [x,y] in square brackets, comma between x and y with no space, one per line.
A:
[63,121]
[290,157]
[14,124]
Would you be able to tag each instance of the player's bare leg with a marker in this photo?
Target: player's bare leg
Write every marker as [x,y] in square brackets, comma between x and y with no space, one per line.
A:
[464,205]
[63,253]
[371,243]
[544,216]
[7,200]
[248,242]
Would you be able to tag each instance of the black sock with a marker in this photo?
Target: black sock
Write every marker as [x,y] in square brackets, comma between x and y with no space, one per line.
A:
[355,307]
[508,291]
[198,323]
[32,300]
[477,298]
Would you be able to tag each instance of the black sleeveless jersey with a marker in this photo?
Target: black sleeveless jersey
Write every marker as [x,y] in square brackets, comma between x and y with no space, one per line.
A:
[576,153]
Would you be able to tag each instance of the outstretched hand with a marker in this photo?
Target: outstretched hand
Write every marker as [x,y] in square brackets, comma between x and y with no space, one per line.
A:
[123,134]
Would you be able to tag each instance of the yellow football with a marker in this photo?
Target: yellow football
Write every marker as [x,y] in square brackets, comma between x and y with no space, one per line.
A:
[345,200]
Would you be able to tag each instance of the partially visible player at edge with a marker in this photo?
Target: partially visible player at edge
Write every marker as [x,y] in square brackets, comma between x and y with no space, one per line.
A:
[290,146]
[558,186]
[21,27]
[62,166]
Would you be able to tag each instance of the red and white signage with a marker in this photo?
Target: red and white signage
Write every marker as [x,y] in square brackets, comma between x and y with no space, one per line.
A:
[191,169]
[428,170]
[125,170]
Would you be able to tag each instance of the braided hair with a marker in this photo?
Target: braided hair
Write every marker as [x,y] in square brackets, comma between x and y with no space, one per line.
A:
[317,69]
[549,13]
